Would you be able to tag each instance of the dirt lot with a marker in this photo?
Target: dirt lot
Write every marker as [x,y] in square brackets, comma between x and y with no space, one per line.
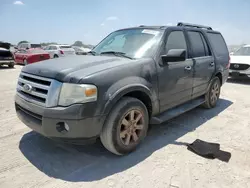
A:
[30,160]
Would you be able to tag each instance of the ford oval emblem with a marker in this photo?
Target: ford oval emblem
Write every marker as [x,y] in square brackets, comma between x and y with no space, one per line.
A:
[27,87]
[236,66]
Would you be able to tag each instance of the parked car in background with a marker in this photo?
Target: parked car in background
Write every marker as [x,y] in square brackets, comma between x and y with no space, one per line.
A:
[6,56]
[81,50]
[31,55]
[240,63]
[56,51]
[28,46]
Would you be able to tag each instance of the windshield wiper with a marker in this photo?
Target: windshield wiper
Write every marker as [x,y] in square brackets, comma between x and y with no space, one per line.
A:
[92,52]
[121,54]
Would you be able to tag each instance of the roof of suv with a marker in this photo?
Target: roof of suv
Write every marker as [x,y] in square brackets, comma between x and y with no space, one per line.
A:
[180,24]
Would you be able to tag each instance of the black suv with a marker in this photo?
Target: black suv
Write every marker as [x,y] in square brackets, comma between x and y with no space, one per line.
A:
[132,78]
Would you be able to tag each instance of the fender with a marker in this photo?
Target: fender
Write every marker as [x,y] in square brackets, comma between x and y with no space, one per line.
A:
[127,85]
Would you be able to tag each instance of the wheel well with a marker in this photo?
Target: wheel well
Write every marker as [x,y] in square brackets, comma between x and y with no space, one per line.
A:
[219,75]
[143,98]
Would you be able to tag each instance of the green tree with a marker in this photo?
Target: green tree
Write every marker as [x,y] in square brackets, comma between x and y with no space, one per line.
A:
[23,41]
[78,43]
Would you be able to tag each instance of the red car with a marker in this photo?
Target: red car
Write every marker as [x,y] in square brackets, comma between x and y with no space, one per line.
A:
[31,55]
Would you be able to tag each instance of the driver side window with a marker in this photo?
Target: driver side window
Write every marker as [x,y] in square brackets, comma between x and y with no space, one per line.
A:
[175,40]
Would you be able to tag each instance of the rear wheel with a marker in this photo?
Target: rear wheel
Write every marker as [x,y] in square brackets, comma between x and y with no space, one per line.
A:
[213,94]
[11,65]
[56,56]
[25,62]
[125,127]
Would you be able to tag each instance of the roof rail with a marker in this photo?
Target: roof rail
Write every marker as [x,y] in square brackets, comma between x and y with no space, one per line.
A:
[194,25]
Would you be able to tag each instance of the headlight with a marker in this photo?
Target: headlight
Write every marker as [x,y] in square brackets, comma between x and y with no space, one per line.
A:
[77,93]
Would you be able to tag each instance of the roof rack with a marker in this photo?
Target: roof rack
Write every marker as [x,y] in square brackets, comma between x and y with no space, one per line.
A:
[194,25]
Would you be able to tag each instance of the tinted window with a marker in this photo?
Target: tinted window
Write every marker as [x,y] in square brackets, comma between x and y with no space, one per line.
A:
[35,46]
[207,49]
[176,40]
[218,44]
[197,44]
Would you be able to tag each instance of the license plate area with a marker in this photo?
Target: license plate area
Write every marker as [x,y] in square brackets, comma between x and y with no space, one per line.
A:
[235,74]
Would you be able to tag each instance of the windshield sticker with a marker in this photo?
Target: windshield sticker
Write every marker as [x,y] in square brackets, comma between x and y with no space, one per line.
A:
[152,32]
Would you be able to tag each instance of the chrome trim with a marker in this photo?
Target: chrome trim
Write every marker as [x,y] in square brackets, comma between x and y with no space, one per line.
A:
[53,90]
[21,80]
[53,93]
[36,77]
[32,92]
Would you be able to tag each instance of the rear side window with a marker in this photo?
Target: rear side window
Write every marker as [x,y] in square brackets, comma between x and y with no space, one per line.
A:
[197,44]
[218,44]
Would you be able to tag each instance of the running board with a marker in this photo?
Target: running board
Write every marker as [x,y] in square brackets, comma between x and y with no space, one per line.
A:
[169,114]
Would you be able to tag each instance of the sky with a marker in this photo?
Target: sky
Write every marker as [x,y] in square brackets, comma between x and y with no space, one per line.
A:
[65,21]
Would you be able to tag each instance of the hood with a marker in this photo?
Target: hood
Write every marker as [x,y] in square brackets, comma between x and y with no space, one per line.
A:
[240,59]
[73,68]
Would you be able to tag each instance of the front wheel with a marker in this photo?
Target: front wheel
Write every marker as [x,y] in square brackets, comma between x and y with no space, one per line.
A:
[213,94]
[125,127]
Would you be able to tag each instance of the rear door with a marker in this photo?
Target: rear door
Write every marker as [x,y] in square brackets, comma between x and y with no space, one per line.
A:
[204,65]
[51,50]
[176,78]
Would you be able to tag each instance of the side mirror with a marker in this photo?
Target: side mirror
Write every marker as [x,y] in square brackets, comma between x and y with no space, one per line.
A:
[174,55]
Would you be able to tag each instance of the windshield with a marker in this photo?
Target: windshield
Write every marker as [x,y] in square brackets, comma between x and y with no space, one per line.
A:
[243,51]
[135,43]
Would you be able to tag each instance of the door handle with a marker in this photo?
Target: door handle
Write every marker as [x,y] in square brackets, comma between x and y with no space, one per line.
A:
[188,68]
[211,64]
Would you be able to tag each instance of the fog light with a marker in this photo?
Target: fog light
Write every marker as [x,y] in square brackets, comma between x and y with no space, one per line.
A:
[62,127]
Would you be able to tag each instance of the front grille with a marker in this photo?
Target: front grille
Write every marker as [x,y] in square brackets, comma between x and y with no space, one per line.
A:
[38,90]
[235,66]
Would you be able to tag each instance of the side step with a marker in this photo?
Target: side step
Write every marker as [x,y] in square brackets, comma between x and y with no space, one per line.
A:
[169,114]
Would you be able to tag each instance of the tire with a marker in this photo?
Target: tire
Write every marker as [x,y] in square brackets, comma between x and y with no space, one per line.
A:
[25,62]
[56,56]
[118,134]
[11,65]
[213,94]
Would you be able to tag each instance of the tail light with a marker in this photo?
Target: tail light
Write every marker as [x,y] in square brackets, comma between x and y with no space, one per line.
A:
[228,65]
[61,52]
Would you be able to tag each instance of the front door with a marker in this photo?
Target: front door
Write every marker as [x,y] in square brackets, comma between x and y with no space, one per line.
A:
[204,65]
[176,78]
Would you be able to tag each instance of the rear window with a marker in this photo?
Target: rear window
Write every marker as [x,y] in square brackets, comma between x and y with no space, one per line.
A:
[35,46]
[218,44]
[62,47]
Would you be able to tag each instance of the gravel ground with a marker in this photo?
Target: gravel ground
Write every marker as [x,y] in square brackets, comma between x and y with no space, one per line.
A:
[30,160]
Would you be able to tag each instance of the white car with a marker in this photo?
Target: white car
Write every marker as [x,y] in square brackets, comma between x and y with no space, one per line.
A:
[56,51]
[81,50]
[240,63]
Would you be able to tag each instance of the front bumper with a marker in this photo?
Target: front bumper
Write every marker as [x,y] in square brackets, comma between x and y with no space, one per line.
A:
[239,73]
[50,121]
[6,62]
